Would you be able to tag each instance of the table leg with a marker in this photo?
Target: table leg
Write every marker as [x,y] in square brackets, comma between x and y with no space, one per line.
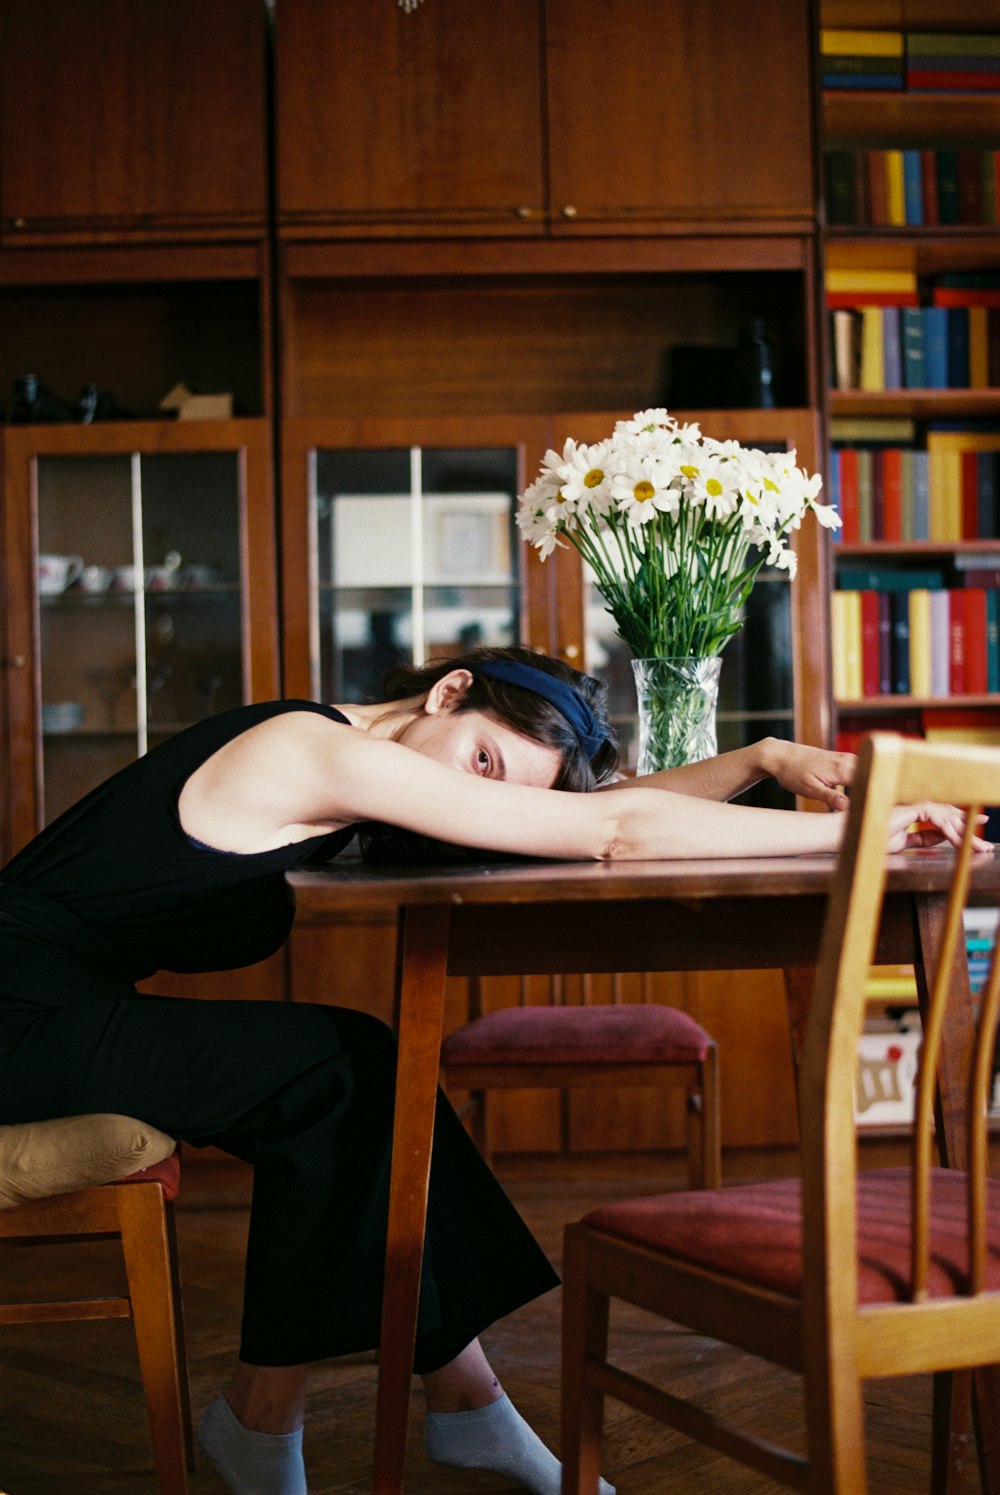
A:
[422,963]
[957,1041]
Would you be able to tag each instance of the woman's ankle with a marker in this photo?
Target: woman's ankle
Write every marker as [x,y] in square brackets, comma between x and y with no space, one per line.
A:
[464,1384]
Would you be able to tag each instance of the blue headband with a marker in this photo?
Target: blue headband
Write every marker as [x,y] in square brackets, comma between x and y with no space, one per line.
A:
[557,692]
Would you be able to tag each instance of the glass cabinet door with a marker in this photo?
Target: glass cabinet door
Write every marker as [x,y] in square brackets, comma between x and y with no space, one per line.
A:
[139,597]
[409,547]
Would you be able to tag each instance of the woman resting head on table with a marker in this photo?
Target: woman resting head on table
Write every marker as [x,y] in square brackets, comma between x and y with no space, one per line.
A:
[178,862]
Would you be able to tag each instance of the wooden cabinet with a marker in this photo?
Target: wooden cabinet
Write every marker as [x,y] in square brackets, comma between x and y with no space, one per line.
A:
[562,116]
[141,595]
[130,120]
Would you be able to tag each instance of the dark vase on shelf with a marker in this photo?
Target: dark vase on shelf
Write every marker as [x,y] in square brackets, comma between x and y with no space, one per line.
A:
[757,359]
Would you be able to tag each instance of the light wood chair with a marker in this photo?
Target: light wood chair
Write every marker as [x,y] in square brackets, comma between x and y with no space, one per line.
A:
[641,1044]
[137,1209]
[769,1267]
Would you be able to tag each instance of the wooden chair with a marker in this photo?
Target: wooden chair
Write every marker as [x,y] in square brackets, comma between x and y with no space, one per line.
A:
[768,1267]
[555,1046]
[137,1209]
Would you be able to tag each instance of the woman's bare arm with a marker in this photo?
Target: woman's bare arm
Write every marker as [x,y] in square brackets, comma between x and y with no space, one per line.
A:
[813,773]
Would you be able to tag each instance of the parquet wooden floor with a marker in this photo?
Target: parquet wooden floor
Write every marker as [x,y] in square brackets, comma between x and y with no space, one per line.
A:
[72,1420]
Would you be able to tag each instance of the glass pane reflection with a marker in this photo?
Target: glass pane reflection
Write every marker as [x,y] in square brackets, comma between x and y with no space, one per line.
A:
[416,559]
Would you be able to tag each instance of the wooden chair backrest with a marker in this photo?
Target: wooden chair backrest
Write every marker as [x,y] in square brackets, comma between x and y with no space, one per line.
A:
[891,771]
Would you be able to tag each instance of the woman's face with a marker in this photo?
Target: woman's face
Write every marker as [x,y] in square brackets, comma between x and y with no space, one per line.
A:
[479,742]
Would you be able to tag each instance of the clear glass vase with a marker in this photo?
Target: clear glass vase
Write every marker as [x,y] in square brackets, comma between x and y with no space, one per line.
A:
[677,704]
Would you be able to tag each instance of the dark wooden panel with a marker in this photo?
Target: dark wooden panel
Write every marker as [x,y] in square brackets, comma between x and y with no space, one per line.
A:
[128,118]
[409,123]
[662,109]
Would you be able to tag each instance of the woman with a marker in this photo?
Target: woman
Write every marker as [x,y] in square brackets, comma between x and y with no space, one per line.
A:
[178,863]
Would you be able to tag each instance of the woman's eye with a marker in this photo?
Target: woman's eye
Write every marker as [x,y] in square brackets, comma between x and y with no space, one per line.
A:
[482,761]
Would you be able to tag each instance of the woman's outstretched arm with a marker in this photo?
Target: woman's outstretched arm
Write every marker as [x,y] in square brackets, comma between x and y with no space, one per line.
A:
[813,773]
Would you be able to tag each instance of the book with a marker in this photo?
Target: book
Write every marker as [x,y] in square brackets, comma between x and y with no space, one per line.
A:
[840,194]
[974,615]
[950,43]
[866,530]
[870,674]
[899,607]
[842,40]
[913,187]
[887,430]
[892,493]
[914,355]
[957,345]
[947,186]
[847,347]
[920,641]
[956,644]
[979,347]
[896,188]
[857,578]
[872,350]
[970,185]
[870,279]
[993,640]
[921,495]
[849,510]
[935,346]
[940,646]
[892,348]
[929,185]
[922,80]
[884,643]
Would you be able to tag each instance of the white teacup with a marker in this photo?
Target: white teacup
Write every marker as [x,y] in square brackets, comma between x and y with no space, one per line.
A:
[57,572]
[125,578]
[96,578]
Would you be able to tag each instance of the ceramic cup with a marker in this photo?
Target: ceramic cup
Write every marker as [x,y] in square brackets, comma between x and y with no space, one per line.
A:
[124,579]
[96,578]
[62,716]
[57,572]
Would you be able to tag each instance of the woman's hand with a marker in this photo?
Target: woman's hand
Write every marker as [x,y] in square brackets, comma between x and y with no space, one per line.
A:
[812,772]
[928,824]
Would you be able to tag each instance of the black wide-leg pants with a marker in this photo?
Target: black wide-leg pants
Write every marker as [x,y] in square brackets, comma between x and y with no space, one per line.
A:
[304,1093]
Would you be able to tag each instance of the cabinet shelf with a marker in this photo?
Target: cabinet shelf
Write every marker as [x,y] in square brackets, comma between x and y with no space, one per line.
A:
[918,404]
[884,548]
[904,118]
[881,704]
[69,600]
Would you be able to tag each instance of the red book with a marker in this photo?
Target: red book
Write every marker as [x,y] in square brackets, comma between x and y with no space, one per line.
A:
[993,339]
[877,177]
[872,298]
[970,495]
[948,80]
[970,186]
[953,296]
[850,532]
[974,609]
[929,185]
[892,494]
[870,673]
[956,644]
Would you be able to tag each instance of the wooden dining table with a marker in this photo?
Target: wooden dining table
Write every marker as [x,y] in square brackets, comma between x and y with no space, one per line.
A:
[503,918]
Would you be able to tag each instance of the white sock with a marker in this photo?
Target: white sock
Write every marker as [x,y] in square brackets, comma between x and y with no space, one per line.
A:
[498,1439]
[252,1463]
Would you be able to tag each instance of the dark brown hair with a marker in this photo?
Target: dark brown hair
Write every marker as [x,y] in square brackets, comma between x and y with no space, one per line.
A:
[522,710]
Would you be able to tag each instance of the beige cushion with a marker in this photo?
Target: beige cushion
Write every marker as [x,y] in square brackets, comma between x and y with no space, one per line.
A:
[38,1158]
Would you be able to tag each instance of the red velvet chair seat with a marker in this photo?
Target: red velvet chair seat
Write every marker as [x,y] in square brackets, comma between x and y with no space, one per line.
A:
[167,1173]
[754,1232]
[626,1034]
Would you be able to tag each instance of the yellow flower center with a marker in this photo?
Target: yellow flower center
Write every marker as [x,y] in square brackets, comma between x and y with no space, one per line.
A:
[713,488]
[594,478]
[689,471]
[772,487]
[643,492]
[561,496]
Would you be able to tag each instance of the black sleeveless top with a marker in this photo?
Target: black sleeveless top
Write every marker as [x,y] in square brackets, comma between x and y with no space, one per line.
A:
[120,862]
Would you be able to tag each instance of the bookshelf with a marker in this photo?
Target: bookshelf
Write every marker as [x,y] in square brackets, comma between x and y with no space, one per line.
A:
[910,135]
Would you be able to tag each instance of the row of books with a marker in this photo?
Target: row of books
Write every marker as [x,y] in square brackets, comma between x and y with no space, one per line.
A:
[921,642]
[901,188]
[898,494]
[925,61]
[978,725]
[915,347]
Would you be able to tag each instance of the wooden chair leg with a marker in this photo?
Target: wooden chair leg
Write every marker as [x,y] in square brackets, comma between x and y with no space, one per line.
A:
[147,1242]
[704,1160]
[585,1336]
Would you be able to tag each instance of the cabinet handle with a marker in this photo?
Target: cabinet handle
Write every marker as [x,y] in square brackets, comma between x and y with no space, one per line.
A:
[20,223]
[572,651]
[523,212]
[18,662]
[569,211]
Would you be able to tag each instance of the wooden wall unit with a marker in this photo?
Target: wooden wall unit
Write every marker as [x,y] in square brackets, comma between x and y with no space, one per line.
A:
[125,120]
[561,116]
[492,225]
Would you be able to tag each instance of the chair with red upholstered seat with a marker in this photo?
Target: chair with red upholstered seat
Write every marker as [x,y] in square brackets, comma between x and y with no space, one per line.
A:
[621,1043]
[841,1276]
[51,1189]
